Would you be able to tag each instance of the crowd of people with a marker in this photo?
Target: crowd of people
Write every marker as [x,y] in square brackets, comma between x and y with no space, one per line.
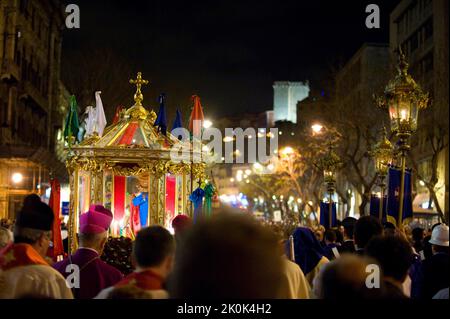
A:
[229,255]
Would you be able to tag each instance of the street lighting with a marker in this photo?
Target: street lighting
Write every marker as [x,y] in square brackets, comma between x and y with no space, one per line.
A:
[207,124]
[17,178]
[329,164]
[287,151]
[383,155]
[403,98]
[316,128]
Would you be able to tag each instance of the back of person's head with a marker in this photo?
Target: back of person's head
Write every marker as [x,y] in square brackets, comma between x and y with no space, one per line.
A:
[128,292]
[389,229]
[339,234]
[418,234]
[181,223]
[349,225]
[152,246]
[5,237]
[330,235]
[366,228]
[345,279]
[394,255]
[229,255]
[34,220]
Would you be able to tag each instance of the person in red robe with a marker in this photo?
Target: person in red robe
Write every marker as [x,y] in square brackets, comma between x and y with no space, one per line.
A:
[94,274]
[153,254]
[24,270]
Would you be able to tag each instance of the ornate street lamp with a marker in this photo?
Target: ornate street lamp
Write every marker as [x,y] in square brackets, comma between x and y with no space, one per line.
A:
[383,155]
[329,164]
[403,98]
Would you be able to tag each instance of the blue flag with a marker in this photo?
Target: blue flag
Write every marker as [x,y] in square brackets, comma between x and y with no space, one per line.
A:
[161,118]
[375,207]
[177,123]
[197,199]
[325,215]
[393,198]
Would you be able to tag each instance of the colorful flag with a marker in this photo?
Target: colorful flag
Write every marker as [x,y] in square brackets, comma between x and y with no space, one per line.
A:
[161,118]
[54,203]
[72,126]
[177,123]
[197,199]
[196,118]
[117,114]
[375,207]
[393,196]
[325,215]
[100,118]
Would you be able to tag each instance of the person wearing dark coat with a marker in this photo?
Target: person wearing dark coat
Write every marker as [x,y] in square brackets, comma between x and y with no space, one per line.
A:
[434,274]
[348,244]
[94,274]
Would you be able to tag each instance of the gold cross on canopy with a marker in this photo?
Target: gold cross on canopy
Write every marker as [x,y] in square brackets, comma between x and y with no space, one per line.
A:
[139,81]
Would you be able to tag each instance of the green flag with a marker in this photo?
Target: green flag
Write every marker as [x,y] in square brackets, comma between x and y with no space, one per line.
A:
[72,127]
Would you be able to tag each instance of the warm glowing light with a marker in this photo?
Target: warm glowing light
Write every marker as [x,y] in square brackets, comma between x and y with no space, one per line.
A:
[317,128]
[299,200]
[248,172]
[310,203]
[421,183]
[270,167]
[232,179]
[17,178]
[287,150]
[205,148]
[257,166]
[403,115]
[207,124]
[228,139]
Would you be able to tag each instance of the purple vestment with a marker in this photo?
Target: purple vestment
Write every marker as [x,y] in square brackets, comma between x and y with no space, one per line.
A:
[95,274]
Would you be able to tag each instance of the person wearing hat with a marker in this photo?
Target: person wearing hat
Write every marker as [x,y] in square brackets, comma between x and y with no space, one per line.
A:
[434,272]
[180,224]
[24,271]
[95,275]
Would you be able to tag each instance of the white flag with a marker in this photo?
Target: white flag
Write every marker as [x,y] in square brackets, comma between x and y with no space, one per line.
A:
[90,122]
[100,114]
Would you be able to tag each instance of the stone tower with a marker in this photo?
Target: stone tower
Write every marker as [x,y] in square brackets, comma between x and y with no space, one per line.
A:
[286,95]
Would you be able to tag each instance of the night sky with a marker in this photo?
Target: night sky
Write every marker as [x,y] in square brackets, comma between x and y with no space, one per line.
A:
[228,52]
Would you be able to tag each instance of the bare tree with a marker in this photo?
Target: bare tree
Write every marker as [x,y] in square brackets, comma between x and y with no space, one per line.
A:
[97,69]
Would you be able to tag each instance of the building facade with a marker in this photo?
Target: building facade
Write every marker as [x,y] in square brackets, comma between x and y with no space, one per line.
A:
[420,28]
[286,95]
[365,74]
[32,99]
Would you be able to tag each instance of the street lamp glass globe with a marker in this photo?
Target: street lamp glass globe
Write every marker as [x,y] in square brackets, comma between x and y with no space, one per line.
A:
[207,124]
[17,178]
[317,128]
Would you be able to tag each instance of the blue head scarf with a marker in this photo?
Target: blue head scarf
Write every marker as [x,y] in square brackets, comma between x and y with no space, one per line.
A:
[308,251]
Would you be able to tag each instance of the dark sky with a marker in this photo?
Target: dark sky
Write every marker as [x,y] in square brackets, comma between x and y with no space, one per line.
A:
[228,52]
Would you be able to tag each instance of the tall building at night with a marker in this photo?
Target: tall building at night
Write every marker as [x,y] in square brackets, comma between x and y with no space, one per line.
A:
[420,27]
[32,99]
[356,83]
[286,95]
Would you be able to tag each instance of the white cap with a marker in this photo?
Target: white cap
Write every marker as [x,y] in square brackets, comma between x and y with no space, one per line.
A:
[439,236]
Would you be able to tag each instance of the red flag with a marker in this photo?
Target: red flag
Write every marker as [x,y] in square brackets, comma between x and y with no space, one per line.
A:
[196,115]
[54,203]
[117,114]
